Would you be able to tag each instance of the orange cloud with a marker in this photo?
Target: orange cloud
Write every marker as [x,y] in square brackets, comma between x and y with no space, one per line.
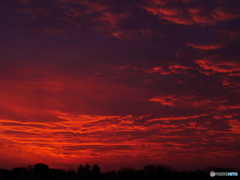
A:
[205,47]
[186,101]
[192,15]
[210,67]
[94,137]
[170,68]
[225,107]
[81,135]
[170,14]
[235,126]
[225,14]
[69,140]
[176,118]
[165,11]
[157,2]
[106,22]
[178,20]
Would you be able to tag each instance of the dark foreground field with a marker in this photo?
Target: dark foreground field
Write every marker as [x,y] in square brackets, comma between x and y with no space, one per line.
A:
[149,172]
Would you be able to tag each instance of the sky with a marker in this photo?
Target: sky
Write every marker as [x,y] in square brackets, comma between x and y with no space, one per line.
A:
[120,83]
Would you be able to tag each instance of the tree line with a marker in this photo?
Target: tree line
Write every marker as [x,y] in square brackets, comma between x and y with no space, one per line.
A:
[149,172]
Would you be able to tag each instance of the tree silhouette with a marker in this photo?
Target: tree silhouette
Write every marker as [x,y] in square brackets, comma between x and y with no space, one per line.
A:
[41,171]
[96,169]
[19,173]
[87,168]
[80,170]
[85,171]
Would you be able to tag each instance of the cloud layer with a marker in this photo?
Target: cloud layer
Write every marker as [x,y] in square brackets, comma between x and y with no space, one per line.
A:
[120,83]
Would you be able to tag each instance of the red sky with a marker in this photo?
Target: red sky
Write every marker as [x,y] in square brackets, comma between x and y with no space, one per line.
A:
[120,83]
